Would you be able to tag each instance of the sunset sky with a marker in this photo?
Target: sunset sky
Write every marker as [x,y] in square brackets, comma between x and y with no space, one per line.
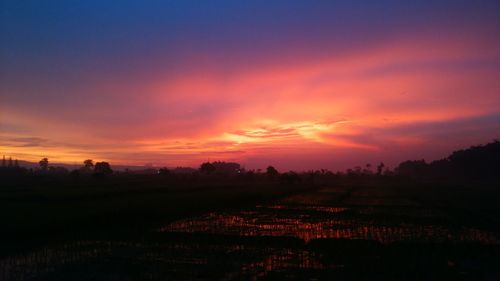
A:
[295,84]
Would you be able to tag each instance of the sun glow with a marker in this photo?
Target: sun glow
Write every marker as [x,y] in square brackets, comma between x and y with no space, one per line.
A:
[313,102]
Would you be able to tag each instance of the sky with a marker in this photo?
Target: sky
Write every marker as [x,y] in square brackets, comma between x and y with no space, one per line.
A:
[295,84]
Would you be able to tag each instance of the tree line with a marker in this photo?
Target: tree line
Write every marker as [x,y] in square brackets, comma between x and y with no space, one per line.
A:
[477,163]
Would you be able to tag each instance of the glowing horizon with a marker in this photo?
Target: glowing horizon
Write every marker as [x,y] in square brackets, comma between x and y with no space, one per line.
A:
[295,85]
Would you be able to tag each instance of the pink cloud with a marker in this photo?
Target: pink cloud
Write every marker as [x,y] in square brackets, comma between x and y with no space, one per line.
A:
[343,106]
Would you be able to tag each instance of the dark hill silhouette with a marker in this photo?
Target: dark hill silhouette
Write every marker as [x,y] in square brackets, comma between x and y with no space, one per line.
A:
[477,163]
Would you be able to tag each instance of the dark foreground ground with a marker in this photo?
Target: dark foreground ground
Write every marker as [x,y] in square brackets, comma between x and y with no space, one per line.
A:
[140,228]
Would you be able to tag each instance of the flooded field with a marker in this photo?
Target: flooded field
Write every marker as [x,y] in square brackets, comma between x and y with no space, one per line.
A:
[309,223]
[325,234]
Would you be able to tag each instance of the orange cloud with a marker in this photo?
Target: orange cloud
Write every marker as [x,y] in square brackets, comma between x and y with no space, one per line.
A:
[313,103]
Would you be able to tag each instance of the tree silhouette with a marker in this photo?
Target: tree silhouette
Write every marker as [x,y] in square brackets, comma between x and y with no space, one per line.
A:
[222,167]
[271,172]
[44,164]
[207,167]
[88,164]
[367,170]
[102,168]
[164,171]
[380,168]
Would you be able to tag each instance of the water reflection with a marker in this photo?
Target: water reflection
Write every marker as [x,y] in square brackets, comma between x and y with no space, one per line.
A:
[200,248]
[325,209]
[49,259]
[173,259]
[299,222]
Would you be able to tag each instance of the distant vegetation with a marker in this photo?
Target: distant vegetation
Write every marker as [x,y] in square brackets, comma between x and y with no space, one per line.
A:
[477,164]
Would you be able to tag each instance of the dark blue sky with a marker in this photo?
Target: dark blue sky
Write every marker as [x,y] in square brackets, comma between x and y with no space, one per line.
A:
[37,33]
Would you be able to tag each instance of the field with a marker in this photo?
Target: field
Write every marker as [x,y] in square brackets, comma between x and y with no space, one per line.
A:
[152,228]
